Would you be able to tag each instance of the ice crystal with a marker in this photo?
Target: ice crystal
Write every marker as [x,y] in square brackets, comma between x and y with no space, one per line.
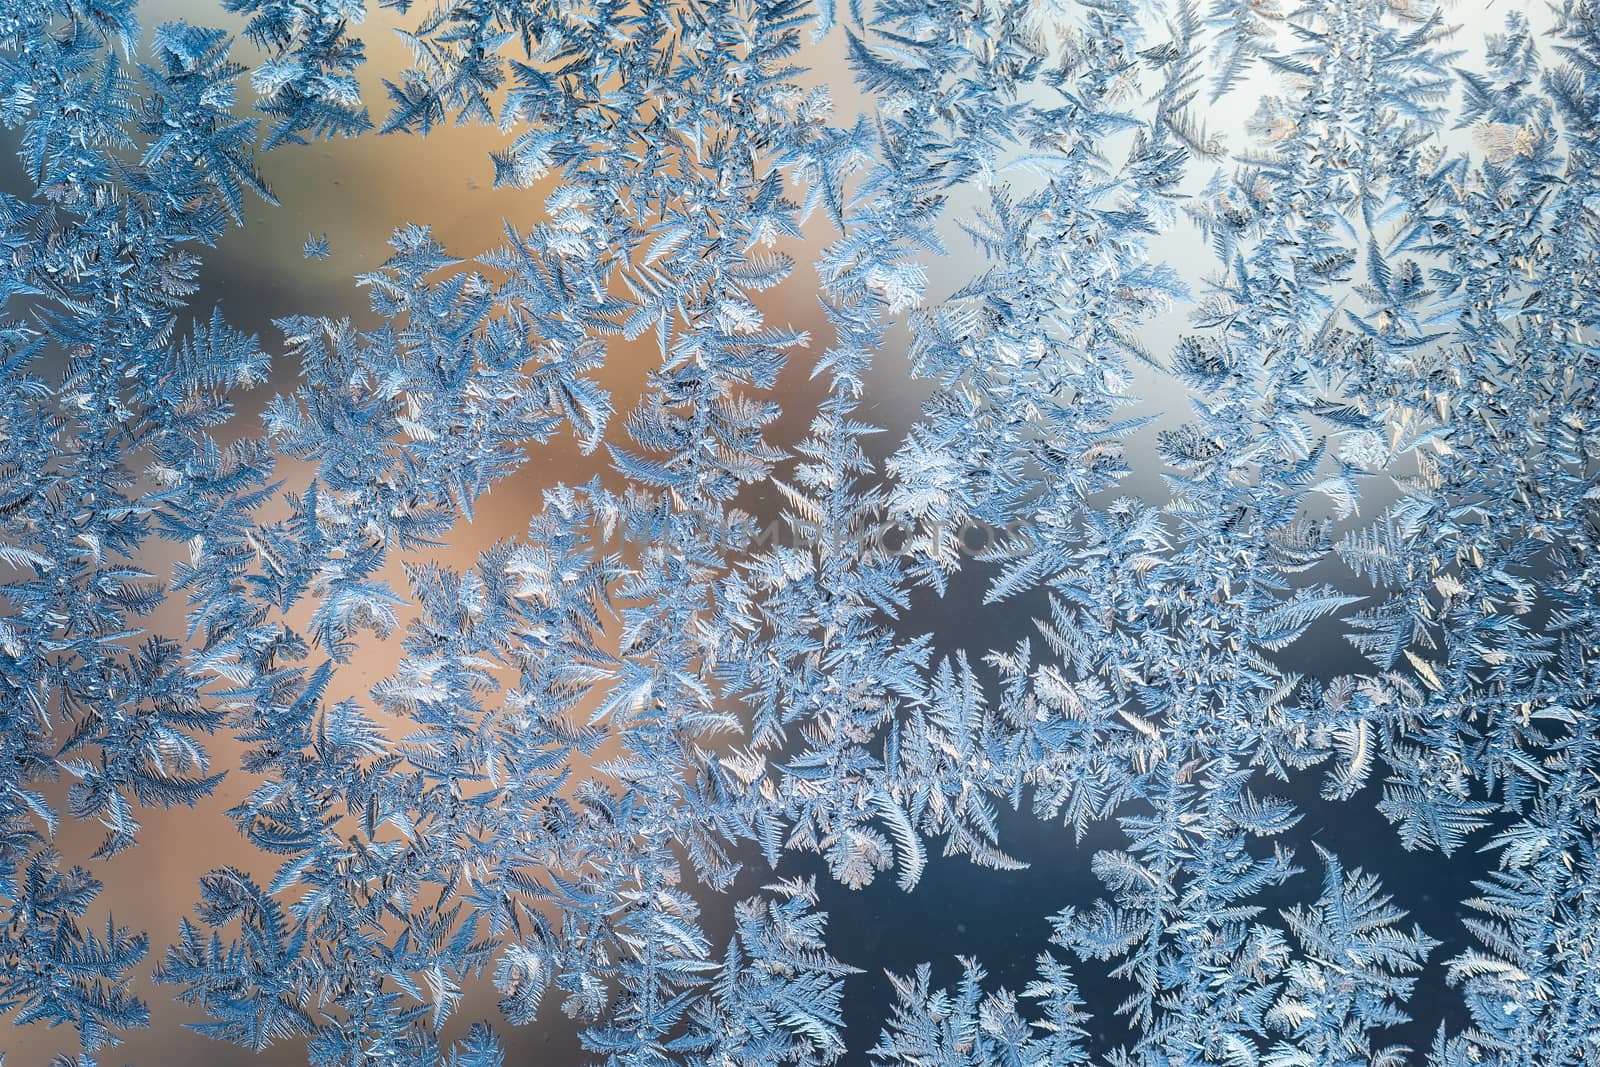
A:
[1276,435]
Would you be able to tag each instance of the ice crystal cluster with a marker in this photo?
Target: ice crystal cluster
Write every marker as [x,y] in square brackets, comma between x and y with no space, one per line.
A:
[1275,432]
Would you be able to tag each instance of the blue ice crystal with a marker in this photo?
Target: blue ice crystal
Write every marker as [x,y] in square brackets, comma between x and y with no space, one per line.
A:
[1253,351]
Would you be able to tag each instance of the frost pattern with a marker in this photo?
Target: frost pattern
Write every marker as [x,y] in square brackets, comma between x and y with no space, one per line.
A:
[596,731]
